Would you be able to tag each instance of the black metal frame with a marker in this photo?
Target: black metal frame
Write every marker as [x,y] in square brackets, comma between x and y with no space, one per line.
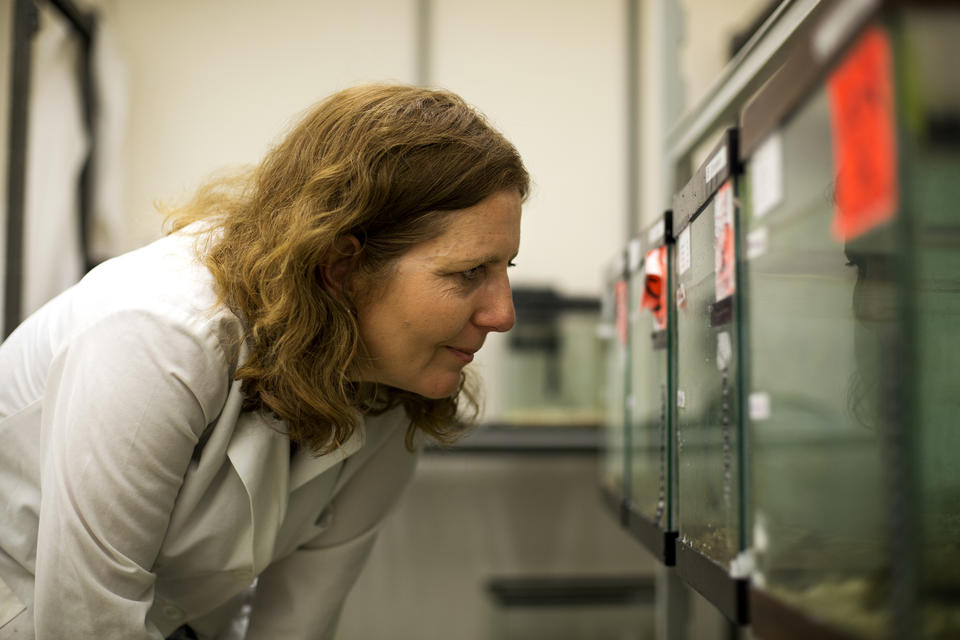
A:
[728,594]
[661,543]
[25,23]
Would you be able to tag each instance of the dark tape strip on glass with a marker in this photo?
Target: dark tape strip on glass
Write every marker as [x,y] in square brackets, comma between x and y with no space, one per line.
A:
[721,312]
[722,163]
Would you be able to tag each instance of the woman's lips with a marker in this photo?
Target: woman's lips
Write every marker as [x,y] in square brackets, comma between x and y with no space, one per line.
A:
[465,357]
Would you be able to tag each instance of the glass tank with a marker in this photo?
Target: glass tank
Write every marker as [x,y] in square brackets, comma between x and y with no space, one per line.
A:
[853,268]
[709,485]
[553,370]
[930,94]
[649,489]
[614,332]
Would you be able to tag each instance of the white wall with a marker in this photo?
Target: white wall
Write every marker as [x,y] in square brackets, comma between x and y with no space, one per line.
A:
[213,83]
[550,74]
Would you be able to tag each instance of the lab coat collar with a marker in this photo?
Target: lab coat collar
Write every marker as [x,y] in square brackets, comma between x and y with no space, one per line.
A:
[305,466]
[260,453]
[261,457]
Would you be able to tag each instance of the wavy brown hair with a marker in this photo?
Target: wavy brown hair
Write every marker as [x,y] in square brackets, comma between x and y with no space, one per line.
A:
[385,164]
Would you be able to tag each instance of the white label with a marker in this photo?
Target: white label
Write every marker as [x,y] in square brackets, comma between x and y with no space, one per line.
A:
[655,233]
[681,398]
[606,331]
[633,251]
[683,251]
[717,164]
[743,565]
[724,350]
[757,242]
[759,405]
[766,176]
[760,538]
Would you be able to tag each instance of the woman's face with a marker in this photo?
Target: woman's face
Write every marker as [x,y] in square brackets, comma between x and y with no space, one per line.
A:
[441,299]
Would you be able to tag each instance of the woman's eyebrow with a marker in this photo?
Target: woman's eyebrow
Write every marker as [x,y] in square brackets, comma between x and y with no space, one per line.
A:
[482,259]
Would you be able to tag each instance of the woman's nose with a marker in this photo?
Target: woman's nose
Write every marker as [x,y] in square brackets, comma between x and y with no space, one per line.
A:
[495,312]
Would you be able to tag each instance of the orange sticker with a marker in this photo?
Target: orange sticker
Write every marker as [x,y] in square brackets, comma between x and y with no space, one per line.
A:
[655,286]
[620,293]
[864,137]
[724,256]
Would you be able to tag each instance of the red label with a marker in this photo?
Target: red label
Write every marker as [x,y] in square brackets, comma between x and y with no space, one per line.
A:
[620,293]
[864,137]
[655,286]
[724,256]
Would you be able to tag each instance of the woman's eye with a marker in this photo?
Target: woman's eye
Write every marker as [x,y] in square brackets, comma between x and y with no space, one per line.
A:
[472,274]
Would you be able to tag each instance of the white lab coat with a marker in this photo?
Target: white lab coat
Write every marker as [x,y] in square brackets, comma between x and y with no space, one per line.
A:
[135,493]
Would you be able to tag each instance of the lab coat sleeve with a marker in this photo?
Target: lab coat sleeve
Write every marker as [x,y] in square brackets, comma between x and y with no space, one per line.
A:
[300,597]
[123,408]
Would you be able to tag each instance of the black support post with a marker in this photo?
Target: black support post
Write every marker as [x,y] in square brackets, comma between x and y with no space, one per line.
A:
[24,25]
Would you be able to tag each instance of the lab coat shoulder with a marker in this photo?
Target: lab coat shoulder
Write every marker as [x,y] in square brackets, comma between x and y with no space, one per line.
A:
[140,365]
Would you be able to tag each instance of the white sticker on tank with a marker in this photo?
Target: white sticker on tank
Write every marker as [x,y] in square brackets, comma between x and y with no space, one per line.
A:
[742,567]
[717,164]
[766,176]
[681,398]
[683,251]
[757,242]
[724,350]
[759,402]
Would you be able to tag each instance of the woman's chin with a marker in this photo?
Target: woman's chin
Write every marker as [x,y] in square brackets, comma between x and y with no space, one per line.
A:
[438,388]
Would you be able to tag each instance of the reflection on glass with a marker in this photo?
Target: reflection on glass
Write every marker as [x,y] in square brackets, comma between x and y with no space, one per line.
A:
[853,366]
[816,440]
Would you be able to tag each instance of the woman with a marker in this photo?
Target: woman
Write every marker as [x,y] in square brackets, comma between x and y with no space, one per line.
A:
[232,402]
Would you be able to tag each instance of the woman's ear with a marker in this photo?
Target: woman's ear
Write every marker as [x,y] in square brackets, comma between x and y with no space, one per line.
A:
[339,268]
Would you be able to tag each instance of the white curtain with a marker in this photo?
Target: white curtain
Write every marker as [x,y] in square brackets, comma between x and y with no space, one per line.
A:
[110,87]
[57,145]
